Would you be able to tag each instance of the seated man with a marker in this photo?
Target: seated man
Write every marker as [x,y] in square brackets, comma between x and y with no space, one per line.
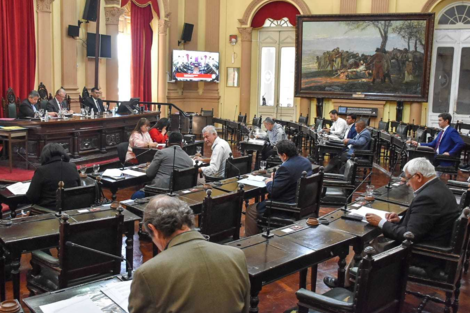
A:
[58,102]
[339,125]
[29,106]
[360,142]
[161,167]
[220,153]
[281,187]
[447,142]
[275,133]
[351,130]
[94,102]
[430,216]
[190,274]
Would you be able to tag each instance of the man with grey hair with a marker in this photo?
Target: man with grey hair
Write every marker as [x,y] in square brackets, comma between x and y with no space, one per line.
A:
[431,213]
[220,153]
[58,102]
[29,106]
[274,133]
[190,274]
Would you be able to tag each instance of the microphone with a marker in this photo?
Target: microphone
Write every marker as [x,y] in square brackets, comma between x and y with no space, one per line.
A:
[391,175]
[233,166]
[171,194]
[129,267]
[267,234]
[345,209]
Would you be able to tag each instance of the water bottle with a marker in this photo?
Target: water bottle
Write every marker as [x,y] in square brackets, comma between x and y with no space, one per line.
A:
[46,116]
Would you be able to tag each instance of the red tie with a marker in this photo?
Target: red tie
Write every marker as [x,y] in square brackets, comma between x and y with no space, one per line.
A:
[439,140]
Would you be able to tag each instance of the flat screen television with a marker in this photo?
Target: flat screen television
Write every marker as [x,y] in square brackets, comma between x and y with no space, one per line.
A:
[195,66]
[105,46]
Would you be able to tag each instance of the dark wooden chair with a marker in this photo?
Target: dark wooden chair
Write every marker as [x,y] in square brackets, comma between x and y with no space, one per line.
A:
[402,130]
[383,125]
[238,166]
[11,105]
[318,124]
[182,179]
[380,286]
[241,118]
[365,159]
[338,187]
[452,170]
[144,155]
[308,193]
[207,112]
[221,216]
[452,258]
[303,119]
[122,151]
[76,266]
[85,94]
[257,121]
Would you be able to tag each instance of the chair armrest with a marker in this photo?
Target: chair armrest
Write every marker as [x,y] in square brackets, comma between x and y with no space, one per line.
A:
[434,251]
[281,205]
[363,152]
[46,259]
[339,184]
[333,176]
[447,158]
[314,299]
[458,183]
[37,209]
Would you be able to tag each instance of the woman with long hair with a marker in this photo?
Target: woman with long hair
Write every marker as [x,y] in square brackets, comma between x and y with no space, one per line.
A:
[55,167]
[140,138]
[159,132]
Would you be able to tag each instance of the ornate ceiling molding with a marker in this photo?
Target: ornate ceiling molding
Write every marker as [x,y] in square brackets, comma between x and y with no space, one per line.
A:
[255,5]
[113,2]
[44,5]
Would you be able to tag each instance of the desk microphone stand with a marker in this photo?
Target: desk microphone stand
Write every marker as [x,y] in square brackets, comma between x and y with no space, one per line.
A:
[171,194]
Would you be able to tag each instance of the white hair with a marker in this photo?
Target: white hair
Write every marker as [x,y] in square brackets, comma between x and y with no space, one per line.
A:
[420,165]
[209,129]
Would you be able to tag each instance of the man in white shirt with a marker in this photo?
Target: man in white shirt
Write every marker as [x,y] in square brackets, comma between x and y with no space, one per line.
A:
[339,125]
[58,102]
[220,153]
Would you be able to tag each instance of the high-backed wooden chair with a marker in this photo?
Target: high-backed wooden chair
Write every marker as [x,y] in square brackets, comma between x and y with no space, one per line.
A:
[338,187]
[238,166]
[241,118]
[182,179]
[76,266]
[11,105]
[257,121]
[380,285]
[207,112]
[303,119]
[221,216]
[383,125]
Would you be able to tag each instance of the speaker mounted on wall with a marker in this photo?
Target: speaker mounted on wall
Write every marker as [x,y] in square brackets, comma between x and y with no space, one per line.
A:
[73,31]
[90,11]
[187,33]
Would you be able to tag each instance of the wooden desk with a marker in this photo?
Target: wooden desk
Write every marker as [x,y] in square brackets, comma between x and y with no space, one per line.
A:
[401,195]
[14,136]
[330,149]
[84,137]
[91,289]
[42,232]
[145,155]
[289,253]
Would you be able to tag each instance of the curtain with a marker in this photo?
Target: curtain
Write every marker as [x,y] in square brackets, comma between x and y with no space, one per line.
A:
[144,3]
[141,64]
[275,10]
[18,47]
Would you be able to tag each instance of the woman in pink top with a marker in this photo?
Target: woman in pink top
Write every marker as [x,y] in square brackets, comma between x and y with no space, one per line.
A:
[140,138]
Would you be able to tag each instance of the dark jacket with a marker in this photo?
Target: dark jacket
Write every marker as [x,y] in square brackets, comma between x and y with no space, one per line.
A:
[352,132]
[430,217]
[53,107]
[44,184]
[451,142]
[89,102]
[284,186]
[26,109]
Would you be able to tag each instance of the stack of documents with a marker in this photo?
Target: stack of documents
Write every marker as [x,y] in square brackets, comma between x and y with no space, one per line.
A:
[365,210]
[119,293]
[113,173]
[19,188]
[133,173]
[74,305]
[257,141]
[257,181]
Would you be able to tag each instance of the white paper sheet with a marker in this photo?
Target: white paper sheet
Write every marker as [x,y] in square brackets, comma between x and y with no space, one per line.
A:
[119,293]
[365,210]
[129,201]
[112,172]
[73,305]
[133,173]
[255,183]
[256,178]
[19,188]
[257,141]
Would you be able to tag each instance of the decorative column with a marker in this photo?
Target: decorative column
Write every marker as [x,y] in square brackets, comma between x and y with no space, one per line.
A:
[415,112]
[112,65]
[44,43]
[68,17]
[245,71]
[348,6]
[380,6]
[163,26]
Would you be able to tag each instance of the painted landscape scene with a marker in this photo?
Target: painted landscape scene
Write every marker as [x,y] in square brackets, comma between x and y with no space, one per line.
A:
[378,57]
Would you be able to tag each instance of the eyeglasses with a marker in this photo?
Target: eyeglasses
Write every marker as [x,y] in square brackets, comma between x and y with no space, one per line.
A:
[408,179]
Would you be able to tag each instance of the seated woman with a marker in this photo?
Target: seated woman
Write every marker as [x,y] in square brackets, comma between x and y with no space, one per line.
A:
[159,133]
[54,167]
[140,138]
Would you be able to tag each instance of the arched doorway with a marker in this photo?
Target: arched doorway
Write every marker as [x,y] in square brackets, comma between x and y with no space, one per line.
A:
[450,76]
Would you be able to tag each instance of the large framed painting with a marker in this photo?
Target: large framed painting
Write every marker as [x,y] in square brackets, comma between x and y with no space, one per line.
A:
[377,57]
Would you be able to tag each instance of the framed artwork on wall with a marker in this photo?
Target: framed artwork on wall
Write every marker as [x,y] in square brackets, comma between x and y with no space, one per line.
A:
[373,56]
[233,77]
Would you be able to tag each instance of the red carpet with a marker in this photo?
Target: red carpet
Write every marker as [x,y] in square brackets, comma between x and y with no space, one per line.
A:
[18,174]
[100,162]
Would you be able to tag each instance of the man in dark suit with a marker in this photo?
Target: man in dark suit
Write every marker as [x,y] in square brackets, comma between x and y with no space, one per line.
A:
[351,130]
[448,141]
[94,102]
[430,217]
[29,106]
[58,102]
[282,186]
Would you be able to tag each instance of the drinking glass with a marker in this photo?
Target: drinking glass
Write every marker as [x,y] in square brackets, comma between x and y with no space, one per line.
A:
[82,169]
[96,168]
[198,150]
[408,141]
[41,112]
[262,165]
[370,190]
[87,110]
